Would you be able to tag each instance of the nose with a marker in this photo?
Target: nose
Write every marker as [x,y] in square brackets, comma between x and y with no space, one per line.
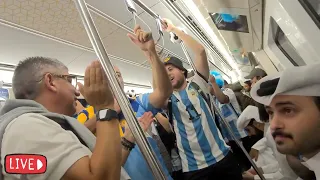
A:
[276,122]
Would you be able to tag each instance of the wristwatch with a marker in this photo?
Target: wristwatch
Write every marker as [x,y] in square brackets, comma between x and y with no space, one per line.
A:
[106,115]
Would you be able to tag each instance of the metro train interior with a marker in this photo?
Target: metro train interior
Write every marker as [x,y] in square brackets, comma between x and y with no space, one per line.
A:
[238,36]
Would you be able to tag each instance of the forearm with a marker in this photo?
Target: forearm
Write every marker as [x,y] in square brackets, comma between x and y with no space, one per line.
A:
[91,124]
[222,98]
[154,85]
[162,87]
[201,61]
[125,152]
[106,156]
[191,43]
[164,122]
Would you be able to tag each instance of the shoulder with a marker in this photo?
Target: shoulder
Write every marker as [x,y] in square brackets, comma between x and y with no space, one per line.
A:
[32,120]
[197,77]
[36,134]
[200,81]
[33,127]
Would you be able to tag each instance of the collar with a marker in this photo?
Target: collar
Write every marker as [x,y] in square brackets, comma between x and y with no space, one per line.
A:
[312,163]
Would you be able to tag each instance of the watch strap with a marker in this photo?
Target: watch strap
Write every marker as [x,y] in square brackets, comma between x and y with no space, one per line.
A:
[106,115]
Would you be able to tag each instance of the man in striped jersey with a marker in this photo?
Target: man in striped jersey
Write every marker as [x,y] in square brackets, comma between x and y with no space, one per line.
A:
[226,101]
[202,150]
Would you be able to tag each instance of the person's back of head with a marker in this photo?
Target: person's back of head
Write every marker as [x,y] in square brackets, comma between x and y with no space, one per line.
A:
[47,82]
[255,75]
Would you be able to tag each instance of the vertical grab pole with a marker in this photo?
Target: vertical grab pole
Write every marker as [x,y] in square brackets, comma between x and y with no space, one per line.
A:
[255,167]
[134,126]
[184,48]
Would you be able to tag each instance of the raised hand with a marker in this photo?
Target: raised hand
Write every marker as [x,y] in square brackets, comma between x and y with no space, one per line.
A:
[168,26]
[96,89]
[142,39]
[145,120]
[212,79]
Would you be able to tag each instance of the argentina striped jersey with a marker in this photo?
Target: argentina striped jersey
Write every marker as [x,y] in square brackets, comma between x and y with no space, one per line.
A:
[199,141]
[230,112]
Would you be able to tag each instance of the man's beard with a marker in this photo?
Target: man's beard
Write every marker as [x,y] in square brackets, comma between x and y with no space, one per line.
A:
[179,84]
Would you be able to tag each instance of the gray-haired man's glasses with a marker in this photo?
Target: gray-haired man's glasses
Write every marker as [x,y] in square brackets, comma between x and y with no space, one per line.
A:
[72,79]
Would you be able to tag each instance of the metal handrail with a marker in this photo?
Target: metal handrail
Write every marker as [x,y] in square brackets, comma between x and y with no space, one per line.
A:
[122,99]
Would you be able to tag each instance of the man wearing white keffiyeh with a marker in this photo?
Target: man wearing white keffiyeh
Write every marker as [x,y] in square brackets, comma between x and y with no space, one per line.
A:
[292,100]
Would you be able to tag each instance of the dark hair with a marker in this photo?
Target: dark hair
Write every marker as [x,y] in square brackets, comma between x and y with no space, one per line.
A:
[251,122]
[263,114]
[248,83]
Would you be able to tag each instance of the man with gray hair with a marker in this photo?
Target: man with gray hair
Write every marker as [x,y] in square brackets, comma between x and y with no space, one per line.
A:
[39,122]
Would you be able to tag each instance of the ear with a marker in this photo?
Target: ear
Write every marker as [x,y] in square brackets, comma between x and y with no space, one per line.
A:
[49,83]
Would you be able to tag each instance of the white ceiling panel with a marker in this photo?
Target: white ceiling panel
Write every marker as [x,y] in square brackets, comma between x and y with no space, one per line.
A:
[119,44]
[134,74]
[118,9]
[80,63]
[58,18]
[16,45]
[130,73]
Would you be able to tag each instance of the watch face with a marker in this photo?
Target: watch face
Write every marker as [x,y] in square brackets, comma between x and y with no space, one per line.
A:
[103,113]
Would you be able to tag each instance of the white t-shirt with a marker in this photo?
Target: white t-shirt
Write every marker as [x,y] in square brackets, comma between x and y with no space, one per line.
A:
[35,134]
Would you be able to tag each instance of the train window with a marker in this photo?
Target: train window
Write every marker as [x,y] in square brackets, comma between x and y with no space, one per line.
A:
[285,45]
[313,9]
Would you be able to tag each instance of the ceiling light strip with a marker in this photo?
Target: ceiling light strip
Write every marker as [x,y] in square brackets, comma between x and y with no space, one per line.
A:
[182,17]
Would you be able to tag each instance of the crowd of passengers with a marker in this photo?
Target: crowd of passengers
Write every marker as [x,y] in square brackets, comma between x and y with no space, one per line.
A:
[83,133]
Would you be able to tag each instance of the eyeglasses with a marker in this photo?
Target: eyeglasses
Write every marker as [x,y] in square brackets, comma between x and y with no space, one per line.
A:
[72,79]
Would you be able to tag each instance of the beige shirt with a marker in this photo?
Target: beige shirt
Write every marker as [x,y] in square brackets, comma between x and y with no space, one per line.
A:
[35,134]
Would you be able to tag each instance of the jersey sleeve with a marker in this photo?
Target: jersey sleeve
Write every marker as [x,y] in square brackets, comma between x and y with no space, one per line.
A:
[233,99]
[145,106]
[201,82]
[36,134]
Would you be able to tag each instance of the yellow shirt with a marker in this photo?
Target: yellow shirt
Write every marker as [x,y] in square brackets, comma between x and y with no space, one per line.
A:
[82,117]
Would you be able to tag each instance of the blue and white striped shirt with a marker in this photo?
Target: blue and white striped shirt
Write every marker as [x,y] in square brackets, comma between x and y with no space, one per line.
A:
[199,141]
[230,112]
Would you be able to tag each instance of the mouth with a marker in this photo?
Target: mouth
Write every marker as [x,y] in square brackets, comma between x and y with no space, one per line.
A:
[279,136]
[171,79]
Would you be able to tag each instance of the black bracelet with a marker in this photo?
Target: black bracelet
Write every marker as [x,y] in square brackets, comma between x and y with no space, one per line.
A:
[127,144]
